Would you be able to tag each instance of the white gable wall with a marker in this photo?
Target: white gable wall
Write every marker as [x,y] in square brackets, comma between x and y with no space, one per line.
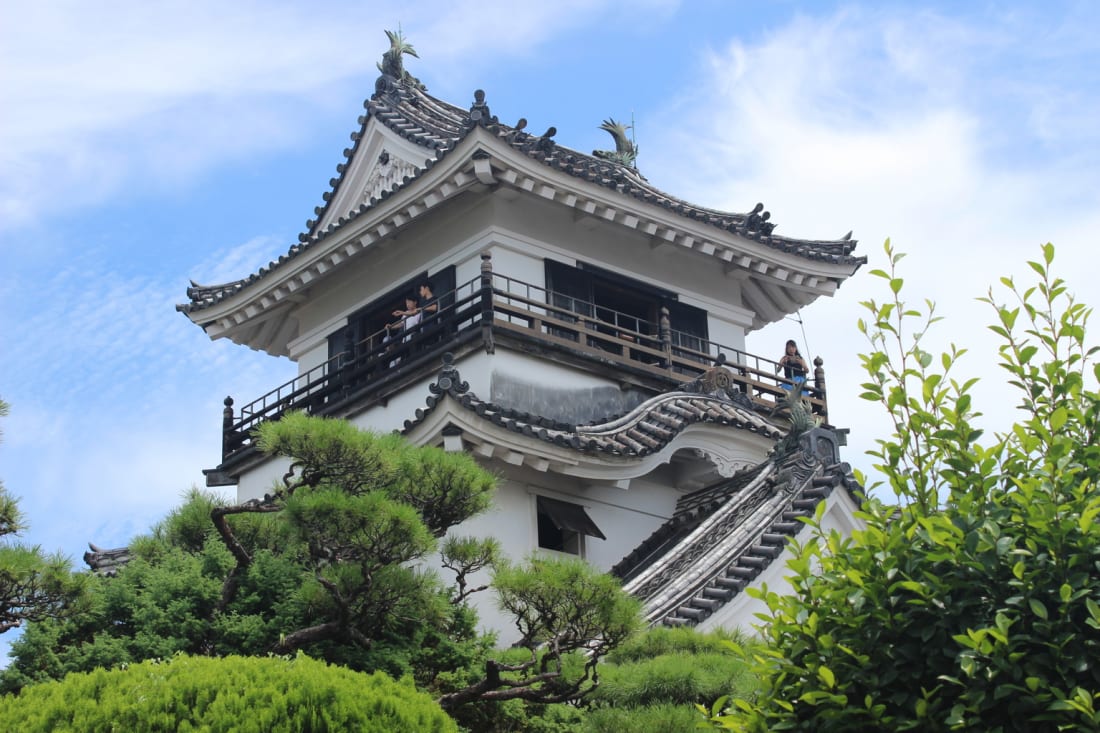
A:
[368,174]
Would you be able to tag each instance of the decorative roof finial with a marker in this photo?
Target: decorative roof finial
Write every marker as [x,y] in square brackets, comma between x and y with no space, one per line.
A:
[392,65]
[479,110]
[756,224]
[625,152]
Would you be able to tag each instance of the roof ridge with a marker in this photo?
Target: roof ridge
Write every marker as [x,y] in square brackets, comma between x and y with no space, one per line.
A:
[438,125]
[651,432]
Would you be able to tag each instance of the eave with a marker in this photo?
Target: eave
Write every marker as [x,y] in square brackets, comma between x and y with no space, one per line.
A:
[774,282]
[459,428]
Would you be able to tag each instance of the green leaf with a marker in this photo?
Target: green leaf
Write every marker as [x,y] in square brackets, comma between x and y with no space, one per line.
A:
[1038,608]
[1058,419]
[827,676]
[1093,608]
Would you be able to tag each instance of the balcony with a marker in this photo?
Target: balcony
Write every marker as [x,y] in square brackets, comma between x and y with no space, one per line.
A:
[495,309]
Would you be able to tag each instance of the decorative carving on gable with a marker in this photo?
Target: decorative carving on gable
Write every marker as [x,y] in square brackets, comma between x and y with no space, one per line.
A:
[726,467]
[389,171]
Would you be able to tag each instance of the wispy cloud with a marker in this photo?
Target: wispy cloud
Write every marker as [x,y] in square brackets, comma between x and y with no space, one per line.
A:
[893,124]
[100,96]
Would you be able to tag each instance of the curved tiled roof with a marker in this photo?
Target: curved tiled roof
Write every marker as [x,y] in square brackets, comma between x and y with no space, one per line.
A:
[722,537]
[645,430]
[439,127]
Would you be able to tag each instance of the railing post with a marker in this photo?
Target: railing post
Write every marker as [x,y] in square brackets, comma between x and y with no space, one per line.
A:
[487,302]
[349,347]
[227,427]
[819,385]
[665,329]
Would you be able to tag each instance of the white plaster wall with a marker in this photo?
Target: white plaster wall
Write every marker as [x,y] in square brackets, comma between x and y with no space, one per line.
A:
[510,258]
[697,278]
[313,357]
[430,244]
[726,333]
[392,414]
[475,368]
[520,232]
[533,370]
[260,479]
[626,517]
[515,260]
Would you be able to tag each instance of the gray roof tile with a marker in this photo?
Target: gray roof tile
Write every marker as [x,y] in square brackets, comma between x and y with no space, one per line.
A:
[439,126]
[645,430]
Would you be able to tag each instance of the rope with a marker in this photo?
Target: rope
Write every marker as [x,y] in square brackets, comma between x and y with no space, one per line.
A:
[805,342]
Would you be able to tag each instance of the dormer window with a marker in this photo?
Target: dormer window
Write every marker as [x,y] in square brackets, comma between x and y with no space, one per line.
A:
[562,526]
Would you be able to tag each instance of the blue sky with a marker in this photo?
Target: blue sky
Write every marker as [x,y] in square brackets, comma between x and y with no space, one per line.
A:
[146,144]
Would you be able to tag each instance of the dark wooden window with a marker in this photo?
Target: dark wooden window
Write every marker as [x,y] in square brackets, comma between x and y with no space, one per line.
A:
[562,526]
[365,327]
[614,298]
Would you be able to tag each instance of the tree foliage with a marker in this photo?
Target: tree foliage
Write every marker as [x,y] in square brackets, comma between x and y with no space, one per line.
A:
[332,562]
[260,695]
[562,608]
[973,606]
[652,682]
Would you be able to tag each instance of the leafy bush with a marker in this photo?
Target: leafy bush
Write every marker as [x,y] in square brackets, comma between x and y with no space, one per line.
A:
[653,682]
[675,678]
[656,718]
[661,641]
[973,606]
[261,695]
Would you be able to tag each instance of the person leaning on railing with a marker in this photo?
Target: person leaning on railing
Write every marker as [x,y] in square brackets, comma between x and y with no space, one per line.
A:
[427,304]
[793,365]
[407,319]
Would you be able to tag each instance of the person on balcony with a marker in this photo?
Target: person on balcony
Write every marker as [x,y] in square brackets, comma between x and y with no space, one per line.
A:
[407,320]
[427,303]
[408,317]
[793,365]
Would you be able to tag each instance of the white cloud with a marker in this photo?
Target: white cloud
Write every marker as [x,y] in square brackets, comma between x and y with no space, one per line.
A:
[231,263]
[888,124]
[100,96]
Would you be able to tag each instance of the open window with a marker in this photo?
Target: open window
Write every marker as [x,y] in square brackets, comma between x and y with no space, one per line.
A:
[562,526]
[365,331]
[622,303]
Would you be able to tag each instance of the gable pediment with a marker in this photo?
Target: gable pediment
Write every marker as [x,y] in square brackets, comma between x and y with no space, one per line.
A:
[380,163]
[414,152]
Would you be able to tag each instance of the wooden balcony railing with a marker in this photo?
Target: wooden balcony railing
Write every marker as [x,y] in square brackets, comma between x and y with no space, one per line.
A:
[496,306]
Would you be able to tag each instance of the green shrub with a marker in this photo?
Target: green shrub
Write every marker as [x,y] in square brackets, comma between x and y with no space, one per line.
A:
[240,694]
[975,605]
[661,641]
[653,682]
[659,718]
[672,678]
